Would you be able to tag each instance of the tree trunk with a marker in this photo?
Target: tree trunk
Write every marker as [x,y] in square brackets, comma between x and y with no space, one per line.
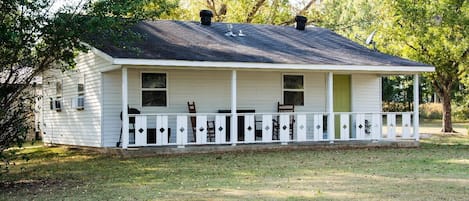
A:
[254,10]
[447,122]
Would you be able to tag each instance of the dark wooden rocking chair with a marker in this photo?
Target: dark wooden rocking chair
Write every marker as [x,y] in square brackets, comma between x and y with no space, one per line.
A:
[210,124]
[276,122]
[131,124]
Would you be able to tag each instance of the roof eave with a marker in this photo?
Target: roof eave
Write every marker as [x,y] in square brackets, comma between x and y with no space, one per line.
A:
[275,66]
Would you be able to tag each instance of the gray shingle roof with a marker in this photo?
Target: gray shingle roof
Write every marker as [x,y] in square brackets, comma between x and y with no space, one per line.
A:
[182,40]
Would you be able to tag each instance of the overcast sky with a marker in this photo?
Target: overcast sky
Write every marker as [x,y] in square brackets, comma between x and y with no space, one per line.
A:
[60,3]
[57,4]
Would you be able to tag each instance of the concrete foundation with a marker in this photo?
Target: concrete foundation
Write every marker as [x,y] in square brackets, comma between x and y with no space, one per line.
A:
[194,149]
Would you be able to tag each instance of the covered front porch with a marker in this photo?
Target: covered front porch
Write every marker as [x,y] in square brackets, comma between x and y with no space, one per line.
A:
[176,129]
[245,125]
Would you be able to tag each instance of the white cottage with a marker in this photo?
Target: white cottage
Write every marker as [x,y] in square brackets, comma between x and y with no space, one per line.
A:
[250,83]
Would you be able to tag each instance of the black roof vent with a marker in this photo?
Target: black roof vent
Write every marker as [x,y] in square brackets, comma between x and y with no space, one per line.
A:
[206,17]
[300,22]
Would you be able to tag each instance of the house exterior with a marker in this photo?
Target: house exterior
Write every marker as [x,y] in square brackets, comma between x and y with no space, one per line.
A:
[237,75]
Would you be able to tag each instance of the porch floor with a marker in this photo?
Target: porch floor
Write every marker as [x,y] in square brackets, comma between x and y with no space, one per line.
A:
[199,149]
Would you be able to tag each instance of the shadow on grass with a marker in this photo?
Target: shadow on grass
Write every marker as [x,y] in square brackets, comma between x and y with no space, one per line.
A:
[376,174]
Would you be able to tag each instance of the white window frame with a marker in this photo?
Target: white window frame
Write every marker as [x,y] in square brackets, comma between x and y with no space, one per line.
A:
[154,89]
[80,95]
[81,80]
[293,90]
[57,95]
[58,98]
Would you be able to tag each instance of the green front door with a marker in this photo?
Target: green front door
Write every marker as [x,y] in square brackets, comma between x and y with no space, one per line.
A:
[342,99]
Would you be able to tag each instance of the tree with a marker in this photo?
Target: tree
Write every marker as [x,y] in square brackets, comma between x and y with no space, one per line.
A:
[242,11]
[397,89]
[34,40]
[432,32]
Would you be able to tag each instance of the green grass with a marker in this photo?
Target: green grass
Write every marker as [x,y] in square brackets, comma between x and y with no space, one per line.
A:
[433,126]
[438,170]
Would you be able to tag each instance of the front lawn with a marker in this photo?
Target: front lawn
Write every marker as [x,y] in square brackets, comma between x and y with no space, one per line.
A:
[438,170]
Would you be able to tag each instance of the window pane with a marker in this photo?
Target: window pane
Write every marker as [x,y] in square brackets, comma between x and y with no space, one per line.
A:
[293,97]
[58,88]
[153,98]
[81,88]
[153,80]
[293,82]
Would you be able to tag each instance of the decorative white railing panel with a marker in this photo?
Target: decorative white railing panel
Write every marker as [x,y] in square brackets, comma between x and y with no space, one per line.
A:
[406,126]
[182,130]
[360,126]
[162,130]
[267,128]
[140,130]
[301,127]
[344,127]
[376,126]
[391,124]
[318,127]
[284,127]
[249,129]
[220,130]
[201,130]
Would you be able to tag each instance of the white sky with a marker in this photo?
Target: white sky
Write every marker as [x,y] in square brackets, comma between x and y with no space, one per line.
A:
[57,4]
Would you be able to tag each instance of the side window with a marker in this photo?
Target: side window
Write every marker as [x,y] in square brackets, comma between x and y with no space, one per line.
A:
[154,89]
[78,102]
[58,89]
[293,89]
[81,86]
[58,96]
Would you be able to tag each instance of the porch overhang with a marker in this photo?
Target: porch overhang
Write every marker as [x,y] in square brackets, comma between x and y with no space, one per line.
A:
[275,66]
[117,63]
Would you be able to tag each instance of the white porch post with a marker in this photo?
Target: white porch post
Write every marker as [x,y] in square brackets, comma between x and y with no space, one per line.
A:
[125,115]
[234,115]
[416,107]
[330,107]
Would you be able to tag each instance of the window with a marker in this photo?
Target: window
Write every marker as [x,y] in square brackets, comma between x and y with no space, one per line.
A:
[78,102]
[154,89]
[293,90]
[81,85]
[58,89]
[58,96]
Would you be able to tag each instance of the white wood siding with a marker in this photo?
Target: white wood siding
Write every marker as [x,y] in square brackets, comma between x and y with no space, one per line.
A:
[211,90]
[72,126]
[112,106]
[262,90]
[366,93]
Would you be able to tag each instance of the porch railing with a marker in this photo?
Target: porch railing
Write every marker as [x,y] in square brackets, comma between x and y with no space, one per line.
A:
[178,129]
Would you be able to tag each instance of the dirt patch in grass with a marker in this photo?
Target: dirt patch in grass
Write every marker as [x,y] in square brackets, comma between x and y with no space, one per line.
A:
[32,186]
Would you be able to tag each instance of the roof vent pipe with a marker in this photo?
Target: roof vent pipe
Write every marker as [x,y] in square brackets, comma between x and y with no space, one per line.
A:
[300,22]
[206,17]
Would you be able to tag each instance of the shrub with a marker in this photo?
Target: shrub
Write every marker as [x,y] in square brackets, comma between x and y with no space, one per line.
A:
[396,107]
[431,110]
[461,112]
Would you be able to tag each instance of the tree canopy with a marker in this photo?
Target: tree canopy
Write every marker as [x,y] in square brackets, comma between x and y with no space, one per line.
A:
[432,32]
[34,40]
